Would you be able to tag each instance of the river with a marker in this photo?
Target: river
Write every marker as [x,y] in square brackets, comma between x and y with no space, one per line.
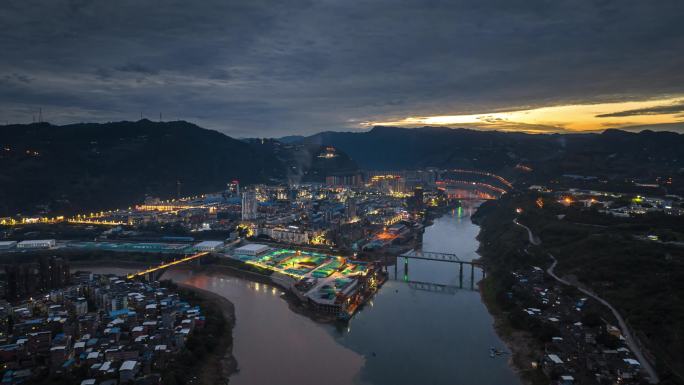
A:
[404,336]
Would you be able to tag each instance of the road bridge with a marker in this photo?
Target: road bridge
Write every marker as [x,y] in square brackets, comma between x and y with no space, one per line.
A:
[155,271]
[442,257]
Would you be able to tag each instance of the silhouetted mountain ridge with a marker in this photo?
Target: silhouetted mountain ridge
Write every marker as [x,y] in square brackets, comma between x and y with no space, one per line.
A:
[610,152]
[98,166]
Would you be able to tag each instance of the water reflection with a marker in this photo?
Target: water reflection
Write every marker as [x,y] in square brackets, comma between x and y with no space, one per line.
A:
[274,345]
[412,336]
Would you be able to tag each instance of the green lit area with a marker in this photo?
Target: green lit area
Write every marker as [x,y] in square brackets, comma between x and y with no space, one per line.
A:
[300,263]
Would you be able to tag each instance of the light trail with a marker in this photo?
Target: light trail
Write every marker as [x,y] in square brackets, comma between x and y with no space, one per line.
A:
[96,222]
[489,174]
[447,182]
[166,265]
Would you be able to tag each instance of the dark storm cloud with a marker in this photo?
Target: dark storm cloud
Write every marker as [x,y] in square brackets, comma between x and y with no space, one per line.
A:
[664,109]
[137,68]
[17,78]
[269,67]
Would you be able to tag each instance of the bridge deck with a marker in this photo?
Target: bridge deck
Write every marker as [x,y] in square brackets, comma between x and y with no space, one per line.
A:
[166,265]
[431,255]
[436,256]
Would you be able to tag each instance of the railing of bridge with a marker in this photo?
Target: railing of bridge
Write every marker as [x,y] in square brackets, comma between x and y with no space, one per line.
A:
[432,255]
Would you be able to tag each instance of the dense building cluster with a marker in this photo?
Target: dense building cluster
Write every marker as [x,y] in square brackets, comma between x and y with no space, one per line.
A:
[580,345]
[102,329]
[346,211]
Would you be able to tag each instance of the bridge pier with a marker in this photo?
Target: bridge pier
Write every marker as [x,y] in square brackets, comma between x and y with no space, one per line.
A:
[396,262]
[472,277]
[406,269]
[460,275]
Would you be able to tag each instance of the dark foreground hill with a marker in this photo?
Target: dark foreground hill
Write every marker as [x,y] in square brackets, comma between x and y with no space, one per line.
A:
[98,166]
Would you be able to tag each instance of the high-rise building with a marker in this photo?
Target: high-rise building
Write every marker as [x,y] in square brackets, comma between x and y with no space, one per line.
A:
[418,199]
[353,179]
[249,206]
[350,208]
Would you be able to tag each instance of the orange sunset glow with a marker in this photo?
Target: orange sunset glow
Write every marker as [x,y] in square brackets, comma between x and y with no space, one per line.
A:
[559,118]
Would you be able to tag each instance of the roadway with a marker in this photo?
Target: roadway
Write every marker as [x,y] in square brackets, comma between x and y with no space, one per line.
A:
[166,265]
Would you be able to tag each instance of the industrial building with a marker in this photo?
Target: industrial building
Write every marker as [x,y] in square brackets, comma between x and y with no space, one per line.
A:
[208,246]
[252,249]
[37,244]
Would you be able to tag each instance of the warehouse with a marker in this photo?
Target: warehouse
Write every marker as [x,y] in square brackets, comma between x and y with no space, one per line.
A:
[252,249]
[208,246]
[36,244]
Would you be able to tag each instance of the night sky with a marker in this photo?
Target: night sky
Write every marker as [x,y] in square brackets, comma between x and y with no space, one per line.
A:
[284,67]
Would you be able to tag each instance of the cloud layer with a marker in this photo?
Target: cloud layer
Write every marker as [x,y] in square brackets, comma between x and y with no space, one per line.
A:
[673,108]
[270,68]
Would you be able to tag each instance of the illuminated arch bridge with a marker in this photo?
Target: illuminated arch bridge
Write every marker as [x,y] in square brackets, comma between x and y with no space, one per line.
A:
[473,184]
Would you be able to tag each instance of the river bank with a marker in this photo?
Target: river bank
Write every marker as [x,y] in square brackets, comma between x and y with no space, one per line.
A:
[524,347]
[219,365]
[539,314]
[294,303]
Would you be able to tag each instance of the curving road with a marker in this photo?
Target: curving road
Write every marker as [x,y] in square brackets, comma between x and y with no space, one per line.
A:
[629,339]
[533,240]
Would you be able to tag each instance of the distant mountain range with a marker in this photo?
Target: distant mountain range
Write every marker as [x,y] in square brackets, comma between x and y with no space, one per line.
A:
[100,166]
[613,153]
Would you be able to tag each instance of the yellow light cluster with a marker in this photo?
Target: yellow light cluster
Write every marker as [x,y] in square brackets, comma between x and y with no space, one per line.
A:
[95,222]
[28,221]
[319,240]
[377,178]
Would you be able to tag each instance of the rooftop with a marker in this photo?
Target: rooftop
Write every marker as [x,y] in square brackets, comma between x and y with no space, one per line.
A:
[252,247]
